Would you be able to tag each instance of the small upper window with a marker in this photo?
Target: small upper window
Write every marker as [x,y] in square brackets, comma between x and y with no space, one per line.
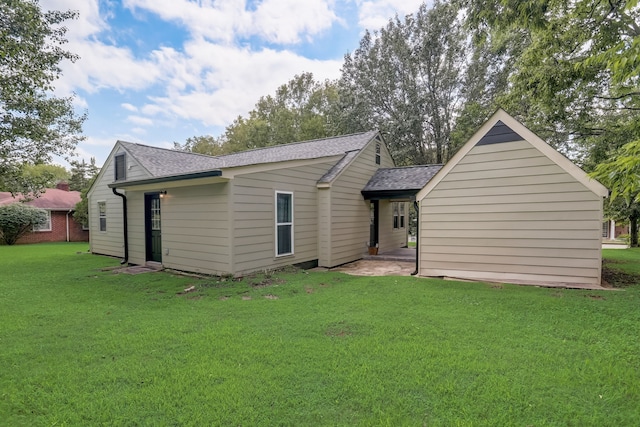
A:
[377,153]
[121,170]
[45,225]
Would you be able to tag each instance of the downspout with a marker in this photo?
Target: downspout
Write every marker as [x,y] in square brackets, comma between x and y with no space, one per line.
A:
[68,224]
[417,208]
[124,226]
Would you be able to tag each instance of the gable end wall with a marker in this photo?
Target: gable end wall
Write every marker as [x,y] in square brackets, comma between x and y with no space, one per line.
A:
[506,212]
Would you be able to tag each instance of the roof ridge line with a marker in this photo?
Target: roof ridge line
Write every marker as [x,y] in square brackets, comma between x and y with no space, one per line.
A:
[295,143]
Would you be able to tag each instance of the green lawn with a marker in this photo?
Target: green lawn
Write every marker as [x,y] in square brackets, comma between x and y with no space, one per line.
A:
[82,346]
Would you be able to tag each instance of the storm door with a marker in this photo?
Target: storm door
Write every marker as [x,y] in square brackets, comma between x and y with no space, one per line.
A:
[153,227]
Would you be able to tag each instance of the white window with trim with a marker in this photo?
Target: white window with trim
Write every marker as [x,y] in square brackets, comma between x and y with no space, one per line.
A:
[284,223]
[45,225]
[102,216]
[399,216]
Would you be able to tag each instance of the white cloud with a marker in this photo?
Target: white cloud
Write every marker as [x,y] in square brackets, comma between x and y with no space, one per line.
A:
[140,121]
[227,81]
[277,21]
[129,107]
[375,14]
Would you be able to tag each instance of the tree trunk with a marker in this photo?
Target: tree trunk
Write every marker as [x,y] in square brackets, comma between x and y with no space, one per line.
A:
[633,229]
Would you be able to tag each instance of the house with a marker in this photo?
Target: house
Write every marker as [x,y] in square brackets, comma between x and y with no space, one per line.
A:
[506,207]
[297,203]
[612,230]
[509,208]
[60,226]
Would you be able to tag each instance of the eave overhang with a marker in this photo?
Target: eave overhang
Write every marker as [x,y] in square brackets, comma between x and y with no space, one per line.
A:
[406,194]
[167,179]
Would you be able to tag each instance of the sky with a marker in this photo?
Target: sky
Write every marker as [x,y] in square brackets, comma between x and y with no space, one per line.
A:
[159,71]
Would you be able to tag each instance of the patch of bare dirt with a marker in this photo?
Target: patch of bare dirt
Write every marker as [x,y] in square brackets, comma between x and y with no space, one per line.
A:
[271,296]
[339,329]
[596,297]
[246,297]
[613,278]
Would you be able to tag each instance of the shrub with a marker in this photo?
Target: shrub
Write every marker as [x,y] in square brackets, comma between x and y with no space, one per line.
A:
[17,219]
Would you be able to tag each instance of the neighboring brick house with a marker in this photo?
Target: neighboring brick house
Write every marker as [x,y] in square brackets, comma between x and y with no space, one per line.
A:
[59,203]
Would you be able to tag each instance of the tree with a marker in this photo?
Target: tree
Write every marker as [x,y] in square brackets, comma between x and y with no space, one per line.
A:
[406,80]
[81,212]
[301,109]
[207,144]
[34,124]
[34,178]
[17,219]
[576,81]
[81,173]
[622,176]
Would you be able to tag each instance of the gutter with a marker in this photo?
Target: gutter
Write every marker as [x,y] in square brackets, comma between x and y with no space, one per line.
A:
[124,225]
[417,208]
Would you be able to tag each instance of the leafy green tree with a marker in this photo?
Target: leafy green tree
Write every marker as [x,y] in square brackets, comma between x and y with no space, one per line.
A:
[300,110]
[17,219]
[34,178]
[34,124]
[576,81]
[406,80]
[622,176]
[81,173]
[81,212]
[205,144]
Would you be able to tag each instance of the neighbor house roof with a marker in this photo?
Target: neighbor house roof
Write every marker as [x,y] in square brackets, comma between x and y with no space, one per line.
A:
[399,182]
[160,162]
[51,199]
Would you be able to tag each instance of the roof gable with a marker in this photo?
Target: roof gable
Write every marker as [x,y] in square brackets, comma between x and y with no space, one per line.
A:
[502,127]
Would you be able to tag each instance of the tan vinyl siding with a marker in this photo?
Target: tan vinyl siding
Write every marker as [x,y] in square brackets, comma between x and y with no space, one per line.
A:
[254,216]
[110,242]
[389,237]
[135,225]
[195,226]
[350,213]
[507,212]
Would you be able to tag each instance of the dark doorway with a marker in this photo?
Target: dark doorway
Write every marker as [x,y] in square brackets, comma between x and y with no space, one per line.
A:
[152,225]
[374,222]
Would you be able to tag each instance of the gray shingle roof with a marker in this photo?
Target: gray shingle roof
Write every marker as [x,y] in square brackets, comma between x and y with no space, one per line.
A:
[165,162]
[404,178]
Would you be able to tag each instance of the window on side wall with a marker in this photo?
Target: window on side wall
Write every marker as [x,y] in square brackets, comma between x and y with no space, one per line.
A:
[102,215]
[120,167]
[284,223]
[396,219]
[377,153]
[44,226]
[402,215]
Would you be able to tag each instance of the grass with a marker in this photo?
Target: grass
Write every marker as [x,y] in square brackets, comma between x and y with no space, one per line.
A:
[80,345]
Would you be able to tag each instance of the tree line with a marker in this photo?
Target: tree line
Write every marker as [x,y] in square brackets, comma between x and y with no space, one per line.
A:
[568,69]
